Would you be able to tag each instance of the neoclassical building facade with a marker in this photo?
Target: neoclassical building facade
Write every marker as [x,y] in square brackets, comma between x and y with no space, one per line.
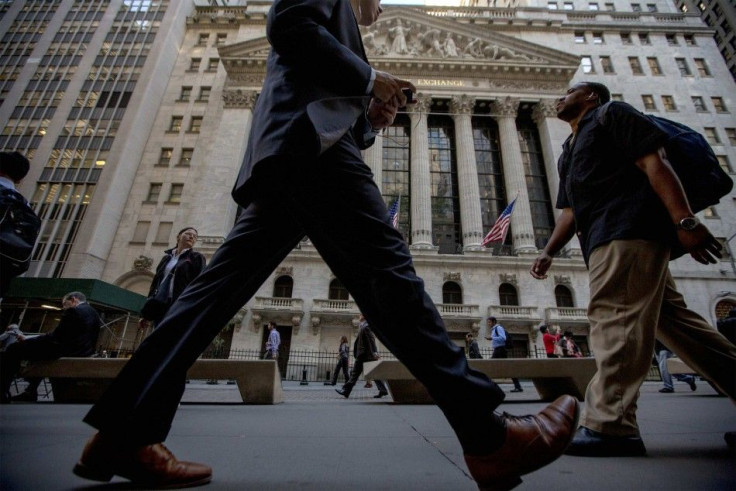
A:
[482,134]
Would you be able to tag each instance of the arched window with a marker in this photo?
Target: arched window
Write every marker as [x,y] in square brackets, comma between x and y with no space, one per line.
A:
[337,291]
[283,287]
[563,296]
[507,294]
[452,293]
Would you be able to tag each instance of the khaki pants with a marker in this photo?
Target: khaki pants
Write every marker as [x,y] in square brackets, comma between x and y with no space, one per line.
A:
[632,300]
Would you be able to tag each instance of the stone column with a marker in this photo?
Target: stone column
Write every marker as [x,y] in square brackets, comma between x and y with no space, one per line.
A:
[504,111]
[461,108]
[207,210]
[373,157]
[421,198]
[552,132]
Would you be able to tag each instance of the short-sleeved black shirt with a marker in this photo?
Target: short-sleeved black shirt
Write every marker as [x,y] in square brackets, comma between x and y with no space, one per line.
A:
[610,196]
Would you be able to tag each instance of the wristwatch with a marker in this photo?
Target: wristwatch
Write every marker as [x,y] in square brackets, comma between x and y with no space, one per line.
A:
[688,223]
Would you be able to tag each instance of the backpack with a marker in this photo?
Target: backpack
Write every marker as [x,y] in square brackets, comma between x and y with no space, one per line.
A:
[19,228]
[703,179]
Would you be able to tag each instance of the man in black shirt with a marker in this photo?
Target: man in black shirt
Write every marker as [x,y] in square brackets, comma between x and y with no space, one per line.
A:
[625,203]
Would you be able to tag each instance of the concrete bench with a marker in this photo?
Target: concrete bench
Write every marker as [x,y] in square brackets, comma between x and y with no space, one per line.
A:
[551,377]
[82,380]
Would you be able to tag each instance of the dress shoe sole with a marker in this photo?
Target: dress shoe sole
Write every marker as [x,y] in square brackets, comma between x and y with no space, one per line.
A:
[103,475]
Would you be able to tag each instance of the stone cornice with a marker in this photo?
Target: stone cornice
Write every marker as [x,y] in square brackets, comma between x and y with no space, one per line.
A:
[236,98]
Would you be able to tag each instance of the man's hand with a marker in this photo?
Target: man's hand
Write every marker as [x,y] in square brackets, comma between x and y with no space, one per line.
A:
[701,244]
[386,87]
[381,114]
[541,265]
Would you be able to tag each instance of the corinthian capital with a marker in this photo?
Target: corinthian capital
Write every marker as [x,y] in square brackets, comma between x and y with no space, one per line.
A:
[237,98]
[424,102]
[462,104]
[546,108]
[505,107]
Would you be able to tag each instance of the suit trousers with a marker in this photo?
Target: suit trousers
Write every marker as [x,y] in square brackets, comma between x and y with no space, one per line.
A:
[35,349]
[335,202]
[355,375]
[633,299]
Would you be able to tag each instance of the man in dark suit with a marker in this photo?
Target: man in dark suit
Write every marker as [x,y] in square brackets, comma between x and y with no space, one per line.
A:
[303,175]
[364,349]
[76,335]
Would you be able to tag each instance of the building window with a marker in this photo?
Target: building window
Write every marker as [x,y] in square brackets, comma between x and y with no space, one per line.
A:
[444,183]
[597,38]
[196,124]
[176,122]
[186,93]
[204,94]
[651,7]
[186,157]
[699,104]
[194,64]
[140,234]
[617,97]
[507,294]
[579,37]
[731,135]
[654,65]
[719,105]
[452,293]
[669,103]
[283,287]
[163,234]
[396,163]
[175,193]
[648,101]
[154,191]
[203,39]
[626,38]
[682,66]
[567,6]
[702,67]
[540,202]
[221,38]
[593,6]
[635,66]
[671,39]
[712,136]
[212,64]
[635,7]
[165,157]
[644,38]
[724,163]
[690,40]
[607,65]
[490,171]
[552,5]
[337,291]
[610,7]
[563,297]
[587,63]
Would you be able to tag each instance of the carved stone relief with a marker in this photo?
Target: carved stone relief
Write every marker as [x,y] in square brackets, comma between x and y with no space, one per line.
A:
[236,98]
[508,278]
[142,263]
[411,39]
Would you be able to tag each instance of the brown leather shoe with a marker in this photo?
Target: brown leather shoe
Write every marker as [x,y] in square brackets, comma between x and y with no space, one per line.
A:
[151,466]
[531,442]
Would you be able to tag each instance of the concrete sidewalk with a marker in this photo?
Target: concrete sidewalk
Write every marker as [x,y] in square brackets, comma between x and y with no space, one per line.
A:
[317,440]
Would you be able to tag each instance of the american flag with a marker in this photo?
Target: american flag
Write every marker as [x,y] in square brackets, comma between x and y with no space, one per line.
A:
[499,229]
[393,212]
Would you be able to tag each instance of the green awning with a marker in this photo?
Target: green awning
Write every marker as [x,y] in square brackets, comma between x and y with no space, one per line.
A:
[53,289]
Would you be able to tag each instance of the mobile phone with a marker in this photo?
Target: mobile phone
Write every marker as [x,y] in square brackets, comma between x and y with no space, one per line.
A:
[409,96]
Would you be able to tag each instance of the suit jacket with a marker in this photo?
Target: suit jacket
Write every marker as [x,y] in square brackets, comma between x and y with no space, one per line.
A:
[314,92]
[77,332]
[190,264]
[364,348]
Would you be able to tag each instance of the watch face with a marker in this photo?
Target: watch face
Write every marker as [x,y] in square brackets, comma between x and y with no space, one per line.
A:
[689,223]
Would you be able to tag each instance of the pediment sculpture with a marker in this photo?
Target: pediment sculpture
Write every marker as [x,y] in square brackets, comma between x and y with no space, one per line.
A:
[403,38]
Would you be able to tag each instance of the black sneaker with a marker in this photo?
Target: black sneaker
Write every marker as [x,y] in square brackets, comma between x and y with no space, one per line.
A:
[380,394]
[589,443]
[692,384]
[666,390]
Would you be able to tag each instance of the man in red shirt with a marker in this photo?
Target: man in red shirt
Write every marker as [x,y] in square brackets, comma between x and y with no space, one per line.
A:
[549,340]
